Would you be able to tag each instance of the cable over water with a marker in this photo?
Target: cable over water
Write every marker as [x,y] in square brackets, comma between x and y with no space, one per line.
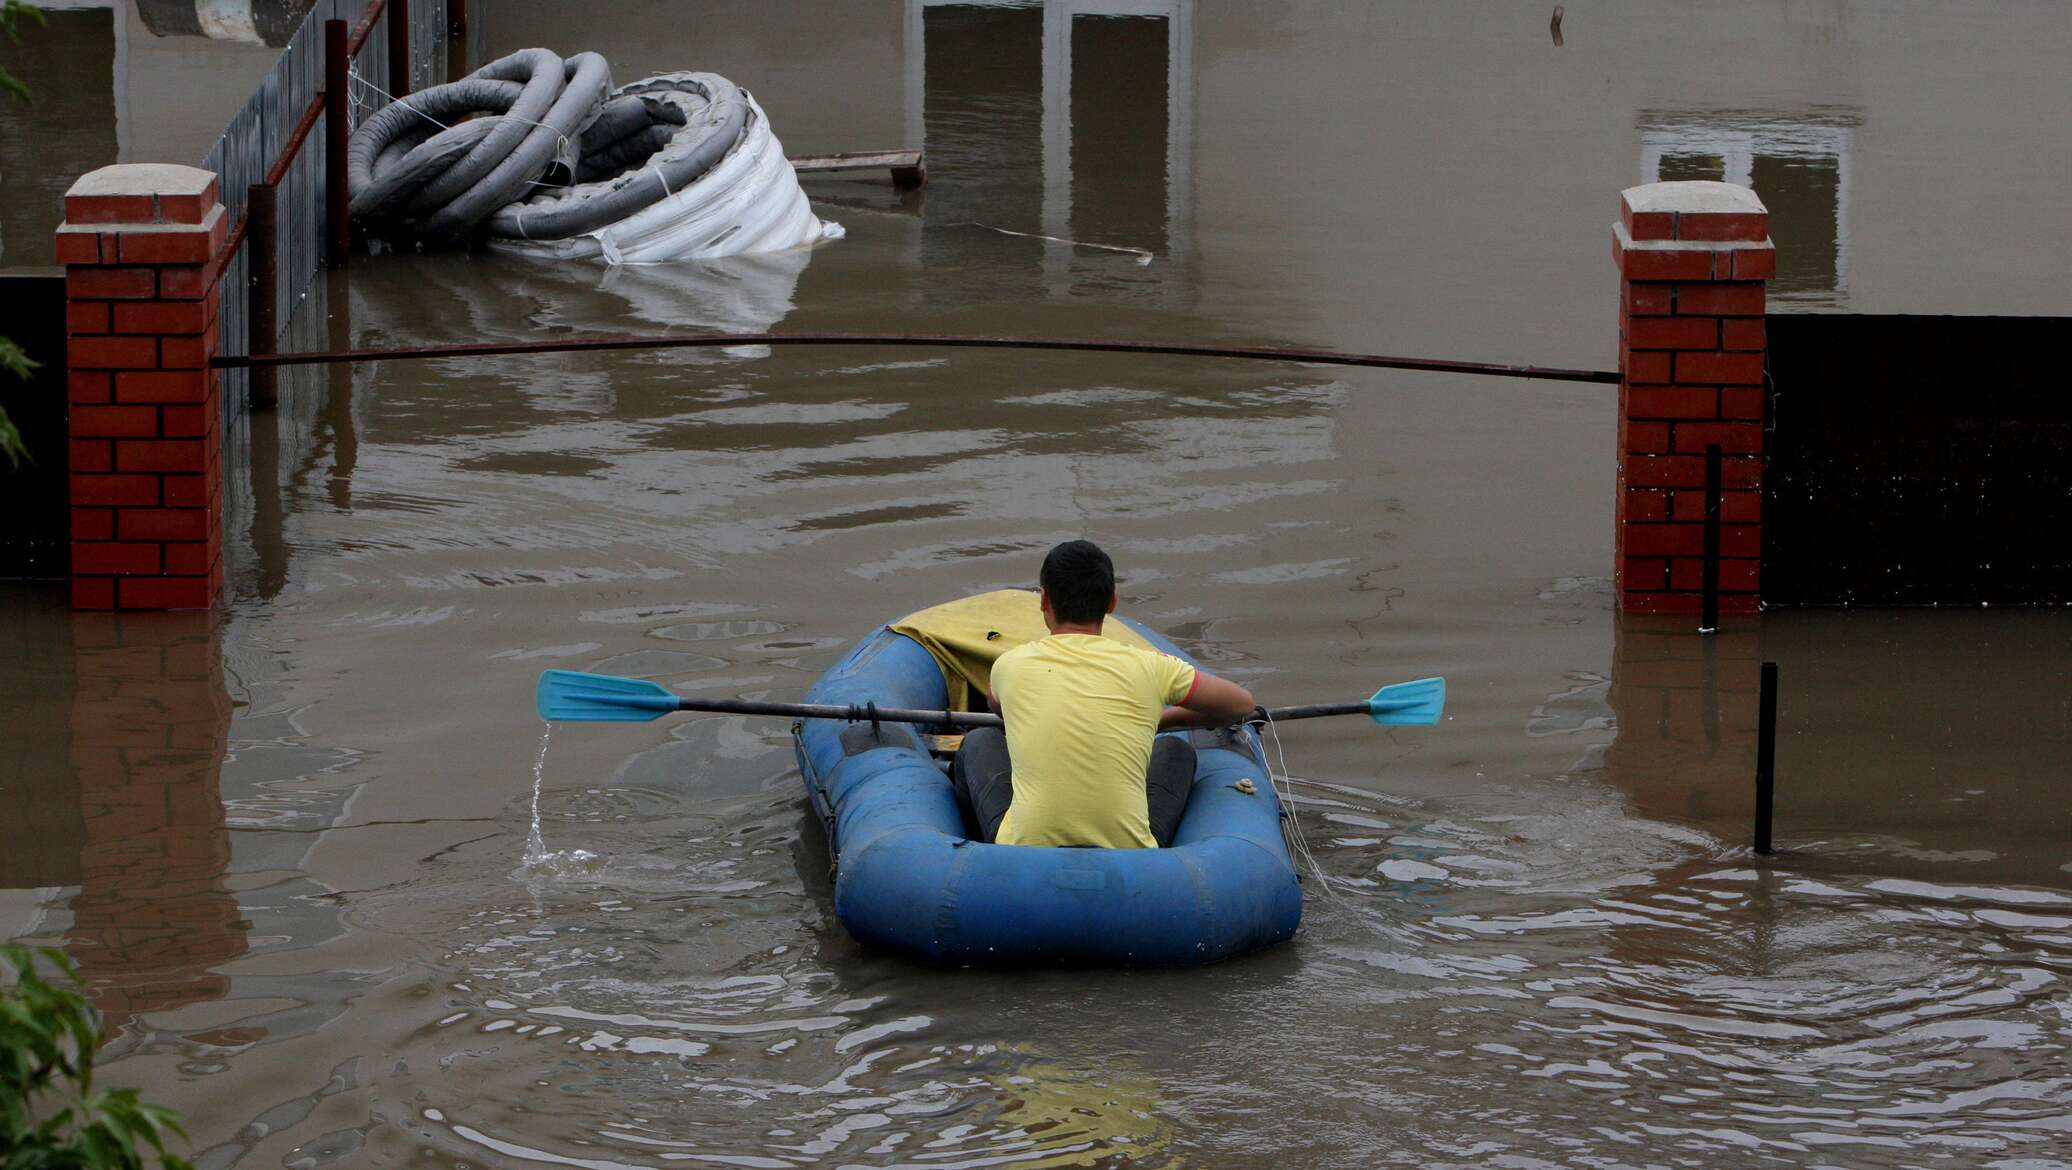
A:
[920,340]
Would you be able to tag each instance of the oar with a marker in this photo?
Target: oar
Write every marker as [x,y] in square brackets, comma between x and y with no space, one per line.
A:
[1418,703]
[569,696]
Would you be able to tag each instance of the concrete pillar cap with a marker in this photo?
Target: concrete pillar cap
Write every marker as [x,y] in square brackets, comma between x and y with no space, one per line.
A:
[141,193]
[1693,197]
[143,179]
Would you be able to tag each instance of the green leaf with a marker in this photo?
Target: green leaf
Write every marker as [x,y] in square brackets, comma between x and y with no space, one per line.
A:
[12,10]
[19,364]
[16,361]
[49,1034]
[11,13]
[164,1118]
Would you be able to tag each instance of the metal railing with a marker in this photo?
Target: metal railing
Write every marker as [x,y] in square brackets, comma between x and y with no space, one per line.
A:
[263,147]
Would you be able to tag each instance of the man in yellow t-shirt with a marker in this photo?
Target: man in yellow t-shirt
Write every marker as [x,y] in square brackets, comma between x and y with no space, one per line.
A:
[1076,764]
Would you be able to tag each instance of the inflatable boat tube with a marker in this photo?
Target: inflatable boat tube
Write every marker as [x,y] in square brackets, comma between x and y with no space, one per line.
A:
[909,878]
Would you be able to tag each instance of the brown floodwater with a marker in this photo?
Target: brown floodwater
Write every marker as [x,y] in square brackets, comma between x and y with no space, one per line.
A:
[297,848]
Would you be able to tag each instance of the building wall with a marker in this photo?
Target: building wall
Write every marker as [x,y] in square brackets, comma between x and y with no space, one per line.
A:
[1474,165]
[828,72]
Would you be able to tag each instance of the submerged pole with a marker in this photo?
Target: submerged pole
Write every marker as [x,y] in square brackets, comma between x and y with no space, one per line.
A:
[398,49]
[337,63]
[262,291]
[1766,759]
[1708,619]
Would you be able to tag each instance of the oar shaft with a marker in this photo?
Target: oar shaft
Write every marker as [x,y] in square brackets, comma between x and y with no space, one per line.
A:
[853,712]
[861,712]
[1315,710]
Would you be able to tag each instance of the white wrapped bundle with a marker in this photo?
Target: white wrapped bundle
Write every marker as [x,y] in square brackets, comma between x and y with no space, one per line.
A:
[748,202]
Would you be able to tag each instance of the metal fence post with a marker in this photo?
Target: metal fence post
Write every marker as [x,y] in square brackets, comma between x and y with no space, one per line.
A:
[262,291]
[399,59]
[1766,759]
[337,62]
[1708,620]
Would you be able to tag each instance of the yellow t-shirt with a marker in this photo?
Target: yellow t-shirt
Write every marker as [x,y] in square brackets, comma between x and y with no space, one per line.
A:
[1081,711]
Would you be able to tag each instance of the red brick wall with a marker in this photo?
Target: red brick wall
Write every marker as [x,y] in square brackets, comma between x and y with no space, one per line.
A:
[1693,261]
[142,246]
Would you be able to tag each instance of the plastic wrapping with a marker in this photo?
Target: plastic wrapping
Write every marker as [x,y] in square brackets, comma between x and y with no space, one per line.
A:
[539,155]
[750,201]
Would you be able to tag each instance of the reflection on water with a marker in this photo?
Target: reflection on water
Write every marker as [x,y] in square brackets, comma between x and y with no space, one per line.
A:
[1538,938]
[1871,707]
[311,433]
[1799,164]
[119,755]
[152,919]
[1076,119]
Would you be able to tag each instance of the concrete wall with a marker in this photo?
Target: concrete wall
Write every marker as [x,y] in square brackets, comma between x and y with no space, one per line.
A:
[106,89]
[1472,164]
[828,72]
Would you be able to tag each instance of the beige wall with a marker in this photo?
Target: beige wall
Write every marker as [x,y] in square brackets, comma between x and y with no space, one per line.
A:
[828,72]
[107,90]
[1470,167]
[182,91]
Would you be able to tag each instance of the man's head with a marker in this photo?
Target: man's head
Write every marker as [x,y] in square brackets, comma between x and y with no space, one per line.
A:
[1078,583]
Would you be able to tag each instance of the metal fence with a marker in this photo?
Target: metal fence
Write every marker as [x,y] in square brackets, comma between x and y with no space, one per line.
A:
[259,133]
[1917,461]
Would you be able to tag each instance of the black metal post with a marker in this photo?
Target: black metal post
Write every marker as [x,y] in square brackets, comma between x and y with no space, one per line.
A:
[1708,621]
[337,63]
[262,291]
[456,18]
[1766,759]
[399,48]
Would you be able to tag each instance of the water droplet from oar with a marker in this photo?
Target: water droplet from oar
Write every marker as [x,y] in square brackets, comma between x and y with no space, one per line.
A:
[561,863]
[535,845]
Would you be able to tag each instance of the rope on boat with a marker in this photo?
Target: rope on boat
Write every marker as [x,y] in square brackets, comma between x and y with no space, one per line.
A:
[1291,824]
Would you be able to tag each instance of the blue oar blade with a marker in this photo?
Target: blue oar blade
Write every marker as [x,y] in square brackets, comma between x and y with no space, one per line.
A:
[1413,704]
[568,696]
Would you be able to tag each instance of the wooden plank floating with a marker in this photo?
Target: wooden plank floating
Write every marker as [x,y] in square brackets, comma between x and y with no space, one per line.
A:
[906,166]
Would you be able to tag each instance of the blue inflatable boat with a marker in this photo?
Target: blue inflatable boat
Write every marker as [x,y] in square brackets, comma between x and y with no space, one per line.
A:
[909,879]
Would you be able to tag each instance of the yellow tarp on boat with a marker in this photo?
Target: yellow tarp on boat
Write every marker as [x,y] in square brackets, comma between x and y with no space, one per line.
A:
[968,635]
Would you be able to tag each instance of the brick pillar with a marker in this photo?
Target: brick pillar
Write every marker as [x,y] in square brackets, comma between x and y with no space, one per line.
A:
[1693,259]
[143,247]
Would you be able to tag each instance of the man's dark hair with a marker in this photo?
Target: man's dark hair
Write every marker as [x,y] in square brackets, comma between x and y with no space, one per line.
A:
[1080,580]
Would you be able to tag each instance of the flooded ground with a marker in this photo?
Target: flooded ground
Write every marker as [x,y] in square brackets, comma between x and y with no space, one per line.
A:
[293,846]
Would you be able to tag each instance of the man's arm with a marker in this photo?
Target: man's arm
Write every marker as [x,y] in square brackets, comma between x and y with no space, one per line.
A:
[1213,703]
